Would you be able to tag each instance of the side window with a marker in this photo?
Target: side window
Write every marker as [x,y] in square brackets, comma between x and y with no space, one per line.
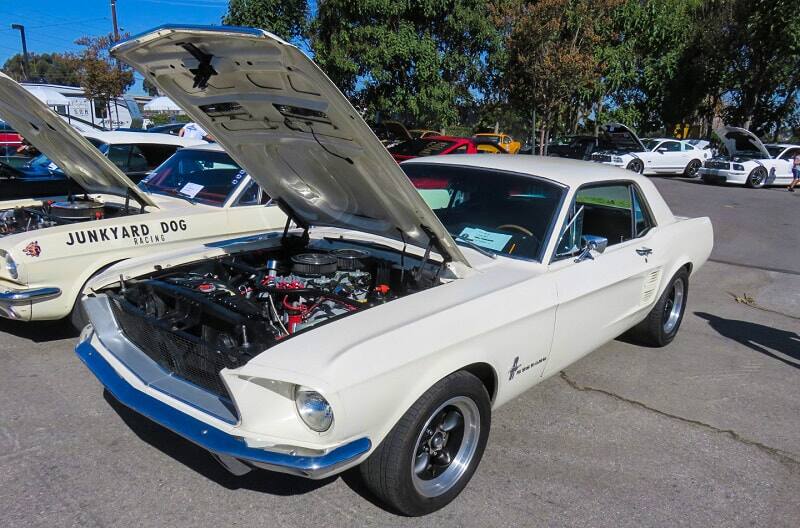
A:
[156,154]
[615,212]
[118,154]
[136,162]
[790,154]
[460,150]
[670,146]
[252,195]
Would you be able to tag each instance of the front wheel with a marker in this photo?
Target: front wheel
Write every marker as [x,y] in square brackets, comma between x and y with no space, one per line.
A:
[757,178]
[636,165]
[662,323]
[432,452]
[692,168]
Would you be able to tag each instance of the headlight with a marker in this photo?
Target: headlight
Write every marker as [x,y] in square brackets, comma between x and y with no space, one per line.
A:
[314,410]
[617,159]
[738,167]
[11,265]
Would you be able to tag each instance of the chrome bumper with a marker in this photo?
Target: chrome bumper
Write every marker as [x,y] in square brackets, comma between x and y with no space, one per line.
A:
[32,294]
[231,451]
[9,299]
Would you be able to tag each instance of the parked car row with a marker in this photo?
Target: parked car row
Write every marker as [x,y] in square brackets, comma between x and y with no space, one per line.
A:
[293,299]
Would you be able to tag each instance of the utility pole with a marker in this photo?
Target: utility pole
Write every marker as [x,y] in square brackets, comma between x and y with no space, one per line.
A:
[114,19]
[25,67]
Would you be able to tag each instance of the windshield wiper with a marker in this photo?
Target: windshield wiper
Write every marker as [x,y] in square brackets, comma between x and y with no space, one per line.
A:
[473,245]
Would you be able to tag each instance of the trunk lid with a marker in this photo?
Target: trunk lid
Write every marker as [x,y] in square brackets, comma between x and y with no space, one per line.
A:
[280,117]
[65,147]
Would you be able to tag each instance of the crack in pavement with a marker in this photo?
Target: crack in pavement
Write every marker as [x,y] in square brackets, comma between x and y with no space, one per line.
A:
[783,456]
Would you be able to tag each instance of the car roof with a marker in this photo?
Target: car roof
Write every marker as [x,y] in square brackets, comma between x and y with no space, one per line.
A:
[121,136]
[781,145]
[213,147]
[572,173]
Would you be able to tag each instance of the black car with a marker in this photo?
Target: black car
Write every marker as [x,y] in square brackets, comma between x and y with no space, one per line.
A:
[575,147]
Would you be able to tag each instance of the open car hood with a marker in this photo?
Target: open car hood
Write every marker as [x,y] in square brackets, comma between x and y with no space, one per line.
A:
[618,136]
[65,147]
[740,140]
[280,117]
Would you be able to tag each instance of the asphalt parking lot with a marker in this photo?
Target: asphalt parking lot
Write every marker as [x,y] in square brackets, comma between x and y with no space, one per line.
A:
[705,432]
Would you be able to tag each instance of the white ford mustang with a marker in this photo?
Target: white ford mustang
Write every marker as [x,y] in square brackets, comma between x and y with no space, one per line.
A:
[386,334]
[50,247]
[651,156]
[748,161]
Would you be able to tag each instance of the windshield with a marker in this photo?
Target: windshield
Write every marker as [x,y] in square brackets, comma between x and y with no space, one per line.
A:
[650,144]
[42,163]
[501,212]
[421,147]
[204,176]
[774,150]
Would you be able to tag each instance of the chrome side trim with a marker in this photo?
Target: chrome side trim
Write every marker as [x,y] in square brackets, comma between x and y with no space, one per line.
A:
[29,295]
[218,442]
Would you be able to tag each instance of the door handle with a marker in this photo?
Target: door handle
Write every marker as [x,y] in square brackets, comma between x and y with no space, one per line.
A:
[644,252]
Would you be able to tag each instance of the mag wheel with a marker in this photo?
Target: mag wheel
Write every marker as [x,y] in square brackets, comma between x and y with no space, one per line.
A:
[757,178]
[692,168]
[432,452]
[636,166]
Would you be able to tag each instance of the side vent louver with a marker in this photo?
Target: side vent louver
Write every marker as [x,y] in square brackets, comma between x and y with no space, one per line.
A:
[650,287]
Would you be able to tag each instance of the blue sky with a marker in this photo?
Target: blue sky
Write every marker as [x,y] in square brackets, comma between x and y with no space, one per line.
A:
[53,25]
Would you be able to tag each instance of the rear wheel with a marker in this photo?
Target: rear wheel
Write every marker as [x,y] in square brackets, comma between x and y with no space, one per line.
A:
[431,454]
[635,165]
[757,178]
[664,320]
[692,168]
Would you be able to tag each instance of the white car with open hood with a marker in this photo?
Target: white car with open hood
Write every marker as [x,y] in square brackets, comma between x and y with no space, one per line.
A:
[748,161]
[411,302]
[50,247]
[651,156]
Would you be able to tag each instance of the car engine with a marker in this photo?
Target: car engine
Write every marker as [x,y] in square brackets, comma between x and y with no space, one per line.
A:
[198,318]
[53,213]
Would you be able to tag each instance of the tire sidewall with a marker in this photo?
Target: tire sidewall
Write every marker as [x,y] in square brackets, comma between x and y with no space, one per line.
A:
[750,178]
[665,338]
[634,162]
[696,172]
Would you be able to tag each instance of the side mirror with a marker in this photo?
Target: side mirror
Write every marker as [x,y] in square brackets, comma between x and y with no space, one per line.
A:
[661,149]
[591,243]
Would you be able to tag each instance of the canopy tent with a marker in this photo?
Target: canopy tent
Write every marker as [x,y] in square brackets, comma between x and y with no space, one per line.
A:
[161,104]
[47,95]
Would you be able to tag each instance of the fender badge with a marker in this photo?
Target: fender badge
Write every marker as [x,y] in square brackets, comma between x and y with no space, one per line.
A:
[33,249]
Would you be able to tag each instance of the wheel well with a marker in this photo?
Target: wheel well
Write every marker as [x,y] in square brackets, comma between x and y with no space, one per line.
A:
[487,375]
[688,267]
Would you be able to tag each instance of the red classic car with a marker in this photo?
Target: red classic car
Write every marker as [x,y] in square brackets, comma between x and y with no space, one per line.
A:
[8,135]
[441,145]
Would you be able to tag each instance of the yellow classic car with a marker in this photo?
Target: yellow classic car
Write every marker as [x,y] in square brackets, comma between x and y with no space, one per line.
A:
[508,143]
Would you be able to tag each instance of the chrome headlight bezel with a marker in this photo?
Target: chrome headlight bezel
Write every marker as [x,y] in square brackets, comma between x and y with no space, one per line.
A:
[10,264]
[313,409]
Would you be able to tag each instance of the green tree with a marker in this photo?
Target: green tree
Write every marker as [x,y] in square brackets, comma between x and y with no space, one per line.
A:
[50,68]
[149,88]
[101,78]
[286,18]
[421,61]
[552,62]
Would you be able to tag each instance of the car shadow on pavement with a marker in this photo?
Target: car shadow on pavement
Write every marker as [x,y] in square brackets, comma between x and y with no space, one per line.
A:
[39,331]
[199,460]
[782,345]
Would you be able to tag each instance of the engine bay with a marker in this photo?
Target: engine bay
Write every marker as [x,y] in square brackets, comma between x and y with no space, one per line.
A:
[226,310]
[54,213]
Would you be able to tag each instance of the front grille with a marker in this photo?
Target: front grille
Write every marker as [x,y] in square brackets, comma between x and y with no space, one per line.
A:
[718,165]
[182,354]
[603,158]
